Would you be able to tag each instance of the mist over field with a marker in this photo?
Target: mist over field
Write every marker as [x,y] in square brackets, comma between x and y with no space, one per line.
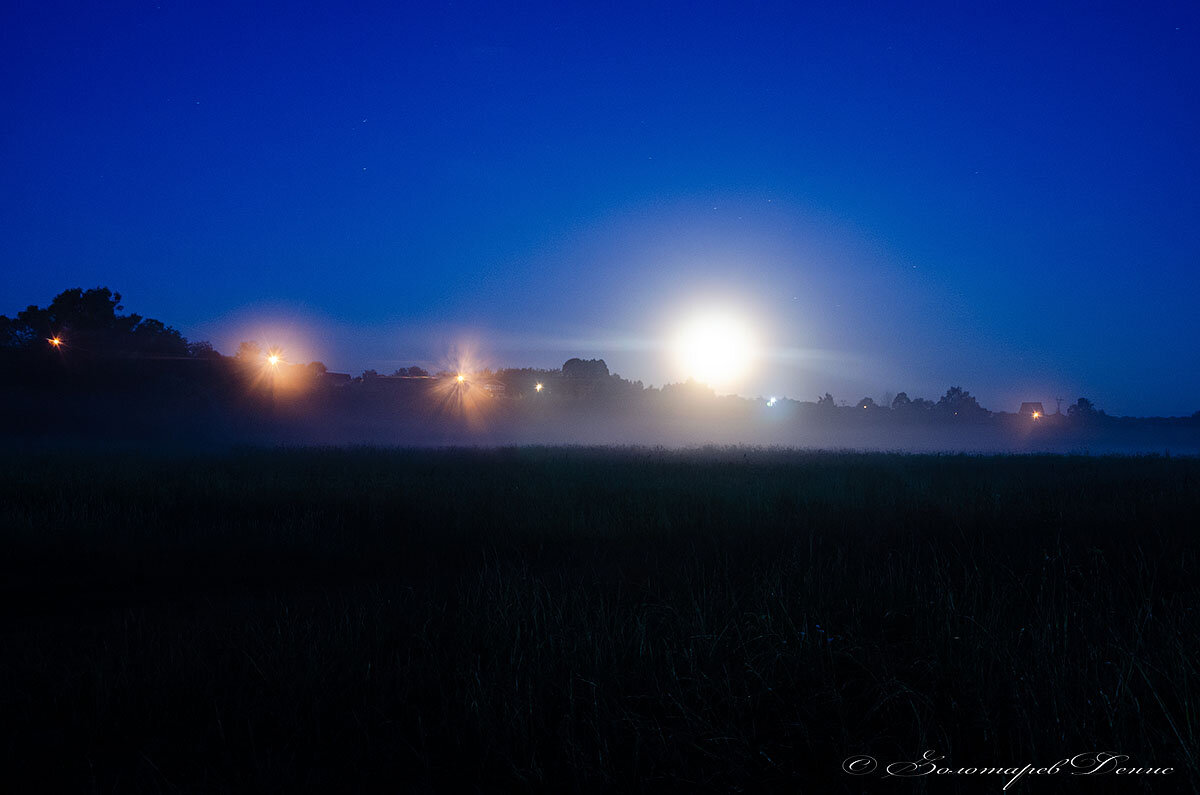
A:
[247,573]
[79,370]
[433,412]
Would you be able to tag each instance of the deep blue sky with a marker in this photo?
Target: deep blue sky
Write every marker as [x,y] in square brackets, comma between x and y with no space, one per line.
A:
[997,195]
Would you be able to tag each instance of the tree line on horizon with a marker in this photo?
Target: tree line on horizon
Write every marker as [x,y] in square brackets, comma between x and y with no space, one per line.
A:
[103,341]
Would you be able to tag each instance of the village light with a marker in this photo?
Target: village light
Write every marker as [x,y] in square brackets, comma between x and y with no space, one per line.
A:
[273,359]
[1037,415]
[771,402]
[55,341]
[460,378]
[538,388]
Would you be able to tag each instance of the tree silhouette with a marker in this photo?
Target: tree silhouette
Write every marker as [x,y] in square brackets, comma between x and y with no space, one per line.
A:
[1083,409]
[90,321]
[585,369]
[203,350]
[959,402]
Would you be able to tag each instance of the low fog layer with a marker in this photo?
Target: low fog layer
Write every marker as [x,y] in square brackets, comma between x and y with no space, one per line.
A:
[224,401]
[79,370]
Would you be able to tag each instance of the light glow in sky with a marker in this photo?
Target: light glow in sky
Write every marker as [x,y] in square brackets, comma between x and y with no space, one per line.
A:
[1000,196]
[716,348]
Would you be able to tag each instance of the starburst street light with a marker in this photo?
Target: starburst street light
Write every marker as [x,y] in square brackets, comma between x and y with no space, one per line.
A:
[55,341]
[460,378]
[273,359]
[1037,415]
[538,388]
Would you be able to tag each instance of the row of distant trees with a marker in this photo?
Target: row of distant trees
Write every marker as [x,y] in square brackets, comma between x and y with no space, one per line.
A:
[957,401]
[92,324]
[92,321]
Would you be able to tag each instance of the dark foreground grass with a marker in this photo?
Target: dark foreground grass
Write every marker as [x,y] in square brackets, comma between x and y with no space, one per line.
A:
[571,620]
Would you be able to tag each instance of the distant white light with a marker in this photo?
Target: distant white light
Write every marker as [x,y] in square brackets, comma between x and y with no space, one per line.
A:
[538,388]
[771,402]
[716,349]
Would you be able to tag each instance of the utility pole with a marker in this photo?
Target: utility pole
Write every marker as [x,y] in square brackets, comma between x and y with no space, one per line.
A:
[1059,400]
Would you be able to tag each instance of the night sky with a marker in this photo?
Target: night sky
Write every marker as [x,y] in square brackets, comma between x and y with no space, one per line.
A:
[1001,196]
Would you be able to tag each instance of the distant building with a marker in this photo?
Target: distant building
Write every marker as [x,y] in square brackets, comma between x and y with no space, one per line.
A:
[335,379]
[1034,410]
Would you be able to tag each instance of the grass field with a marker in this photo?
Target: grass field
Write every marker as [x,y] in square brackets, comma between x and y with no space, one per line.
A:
[554,619]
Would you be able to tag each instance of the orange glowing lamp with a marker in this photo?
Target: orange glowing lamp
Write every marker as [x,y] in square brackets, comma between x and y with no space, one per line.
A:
[461,378]
[55,341]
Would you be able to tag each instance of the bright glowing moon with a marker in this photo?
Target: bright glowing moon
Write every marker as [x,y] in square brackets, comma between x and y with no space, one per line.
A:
[715,348]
